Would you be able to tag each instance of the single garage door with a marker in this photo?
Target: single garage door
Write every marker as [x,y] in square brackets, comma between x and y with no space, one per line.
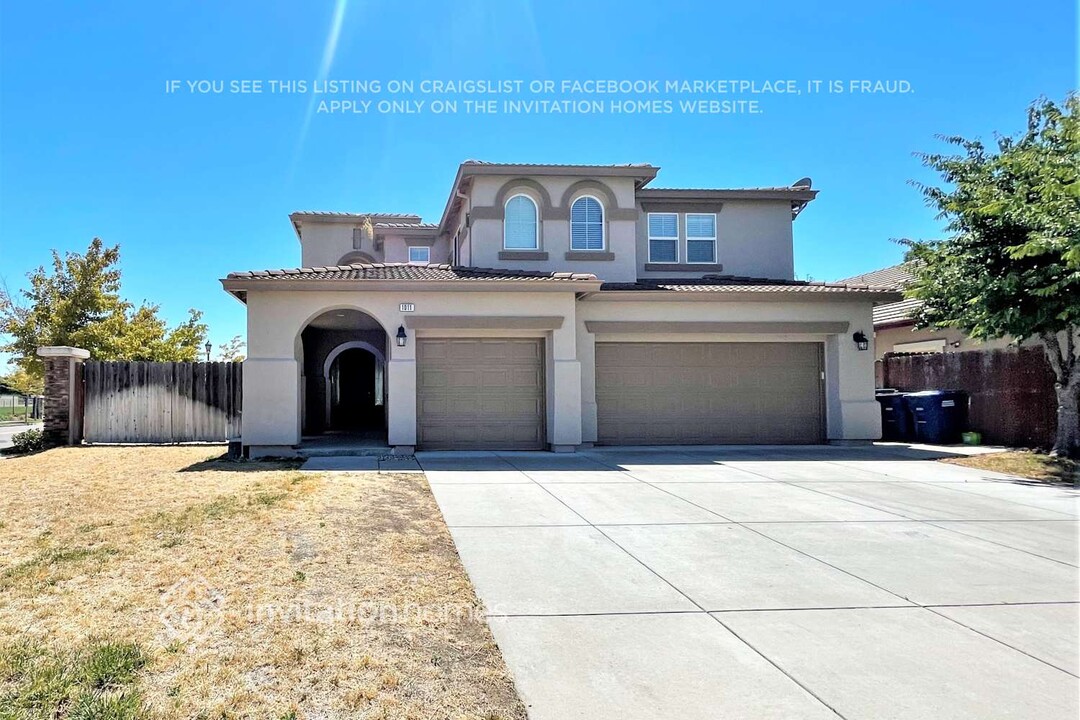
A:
[475,393]
[704,393]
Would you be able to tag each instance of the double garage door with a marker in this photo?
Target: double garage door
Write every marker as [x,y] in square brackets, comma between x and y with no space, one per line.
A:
[488,394]
[709,393]
[477,393]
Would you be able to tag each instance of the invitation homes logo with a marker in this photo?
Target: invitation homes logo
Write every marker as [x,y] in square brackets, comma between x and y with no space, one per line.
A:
[193,610]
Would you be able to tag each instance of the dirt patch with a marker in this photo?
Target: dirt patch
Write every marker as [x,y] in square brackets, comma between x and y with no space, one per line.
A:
[257,591]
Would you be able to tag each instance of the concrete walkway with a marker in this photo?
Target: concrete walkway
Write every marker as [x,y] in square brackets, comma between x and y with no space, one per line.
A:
[816,582]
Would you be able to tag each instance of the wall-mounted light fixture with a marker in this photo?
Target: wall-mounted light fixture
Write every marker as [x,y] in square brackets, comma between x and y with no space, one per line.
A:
[860,340]
[401,336]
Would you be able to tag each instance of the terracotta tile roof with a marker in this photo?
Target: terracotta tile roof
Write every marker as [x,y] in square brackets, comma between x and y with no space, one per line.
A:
[731,283]
[395,225]
[559,165]
[897,313]
[653,190]
[405,271]
[333,214]
[896,277]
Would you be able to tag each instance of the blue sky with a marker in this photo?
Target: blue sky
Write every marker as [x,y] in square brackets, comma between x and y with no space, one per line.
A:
[193,187]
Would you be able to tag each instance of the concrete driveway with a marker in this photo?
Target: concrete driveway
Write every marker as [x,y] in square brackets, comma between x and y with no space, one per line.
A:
[737,582]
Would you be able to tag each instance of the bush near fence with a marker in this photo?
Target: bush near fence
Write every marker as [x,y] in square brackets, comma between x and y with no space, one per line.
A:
[1012,394]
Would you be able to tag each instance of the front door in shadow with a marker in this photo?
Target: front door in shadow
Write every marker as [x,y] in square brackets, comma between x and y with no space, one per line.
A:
[354,396]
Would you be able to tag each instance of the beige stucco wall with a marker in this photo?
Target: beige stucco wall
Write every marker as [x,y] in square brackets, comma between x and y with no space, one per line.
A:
[753,237]
[325,243]
[887,340]
[851,411]
[484,241]
[272,387]
[272,373]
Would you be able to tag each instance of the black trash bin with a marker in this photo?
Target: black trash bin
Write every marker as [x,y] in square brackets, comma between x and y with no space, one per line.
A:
[938,416]
[895,420]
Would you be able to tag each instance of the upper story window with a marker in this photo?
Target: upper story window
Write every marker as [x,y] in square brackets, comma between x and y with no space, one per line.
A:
[521,229]
[663,237]
[701,237]
[419,255]
[586,224]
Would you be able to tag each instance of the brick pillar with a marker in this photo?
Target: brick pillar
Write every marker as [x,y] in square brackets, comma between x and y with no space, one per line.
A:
[61,366]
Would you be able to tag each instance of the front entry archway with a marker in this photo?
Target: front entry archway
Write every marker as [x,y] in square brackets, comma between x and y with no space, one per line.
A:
[354,375]
[344,391]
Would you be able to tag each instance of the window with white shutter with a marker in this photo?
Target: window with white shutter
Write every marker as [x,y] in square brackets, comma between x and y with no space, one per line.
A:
[663,237]
[586,224]
[520,224]
[701,238]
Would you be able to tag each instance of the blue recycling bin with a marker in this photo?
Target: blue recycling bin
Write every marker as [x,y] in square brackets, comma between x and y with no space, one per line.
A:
[895,419]
[938,416]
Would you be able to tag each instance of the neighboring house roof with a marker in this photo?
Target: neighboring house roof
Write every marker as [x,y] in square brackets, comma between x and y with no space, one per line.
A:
[897,277]
[737,284]
[238,282]
[413,219]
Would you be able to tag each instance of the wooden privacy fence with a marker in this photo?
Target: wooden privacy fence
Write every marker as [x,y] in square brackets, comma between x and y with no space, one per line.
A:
[161,402]
[1012,391]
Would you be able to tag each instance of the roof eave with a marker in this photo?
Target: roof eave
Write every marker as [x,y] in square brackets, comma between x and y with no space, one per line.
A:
[742,295]
[244,285]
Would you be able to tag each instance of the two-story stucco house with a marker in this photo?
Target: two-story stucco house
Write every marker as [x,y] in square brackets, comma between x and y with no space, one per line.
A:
[555,306]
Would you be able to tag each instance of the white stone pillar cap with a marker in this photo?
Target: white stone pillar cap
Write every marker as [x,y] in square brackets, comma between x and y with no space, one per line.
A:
[63,351]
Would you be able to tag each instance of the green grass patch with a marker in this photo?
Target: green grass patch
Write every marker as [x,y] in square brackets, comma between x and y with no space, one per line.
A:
[47,566]
[98,681]
[173,527]
[8,413]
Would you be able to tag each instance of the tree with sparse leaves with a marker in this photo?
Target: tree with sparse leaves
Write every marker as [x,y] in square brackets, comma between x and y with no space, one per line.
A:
[77,302]
[232,351]
[1012,264]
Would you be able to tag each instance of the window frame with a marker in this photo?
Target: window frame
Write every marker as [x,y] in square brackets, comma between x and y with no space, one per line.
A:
[536,228]
[603,224]
[426,248]
[650,237]
[700,239]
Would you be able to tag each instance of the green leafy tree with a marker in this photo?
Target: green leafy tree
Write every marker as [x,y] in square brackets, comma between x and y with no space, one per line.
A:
[1012,264]
[22,381]
[77,302]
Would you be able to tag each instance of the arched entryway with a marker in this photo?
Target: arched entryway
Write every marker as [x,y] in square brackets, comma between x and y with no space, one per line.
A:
[355,375]
[344,388]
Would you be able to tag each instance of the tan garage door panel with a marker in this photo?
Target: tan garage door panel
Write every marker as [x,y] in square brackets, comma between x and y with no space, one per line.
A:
[699,393]
[480,394]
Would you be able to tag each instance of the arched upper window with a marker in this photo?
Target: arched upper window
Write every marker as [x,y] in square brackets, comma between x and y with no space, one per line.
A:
[586,224]
[520,224]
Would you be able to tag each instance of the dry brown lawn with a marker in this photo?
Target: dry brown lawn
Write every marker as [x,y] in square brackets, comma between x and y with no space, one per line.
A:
[1024,463]
[255,591]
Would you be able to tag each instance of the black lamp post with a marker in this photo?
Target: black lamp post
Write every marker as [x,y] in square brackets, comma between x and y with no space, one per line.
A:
[208,346]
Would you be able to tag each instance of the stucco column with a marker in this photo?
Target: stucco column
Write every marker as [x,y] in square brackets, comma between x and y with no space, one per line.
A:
[63,398]
[564,397]
[851,411]
[586,351]
[271,402]
[401,395]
